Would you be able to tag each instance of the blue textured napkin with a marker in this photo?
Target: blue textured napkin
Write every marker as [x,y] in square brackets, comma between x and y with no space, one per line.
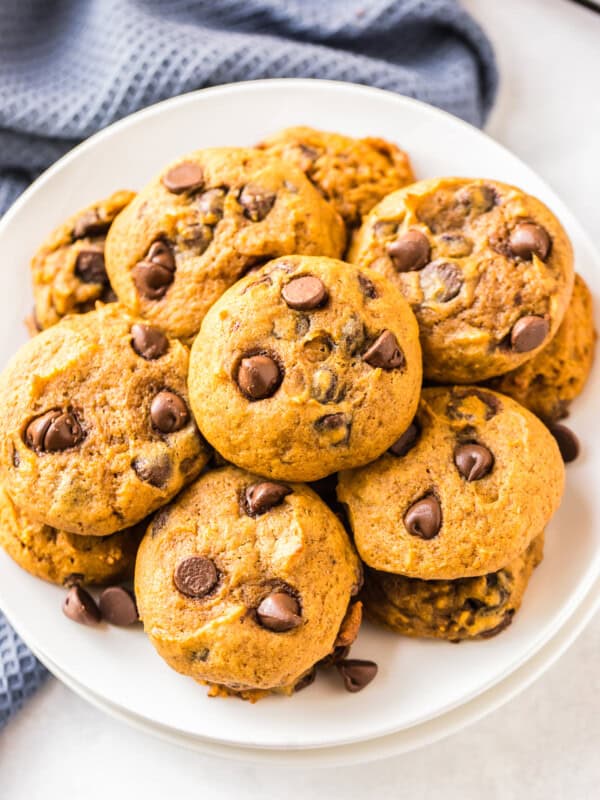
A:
[71,67]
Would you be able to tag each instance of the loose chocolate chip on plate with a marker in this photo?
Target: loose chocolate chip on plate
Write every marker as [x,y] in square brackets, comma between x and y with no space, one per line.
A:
[148,342]
[89,224]
[424,518]
[117,606]
[407,441]
[81,607]
[184,177]
[410,251]
[305,293]
[261,497]
[529,239]
[528,333]
[256,202]
[473,461]
[53,431]
[356,673]
[567,441]
[258,377]
[168,412]
[279,612]
[89,266]
[385,352]
[156,472]
[195,576]
[441,281]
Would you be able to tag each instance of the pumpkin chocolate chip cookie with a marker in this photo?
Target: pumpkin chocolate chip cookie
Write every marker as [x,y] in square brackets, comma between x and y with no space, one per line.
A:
[352,174]
[66,558]
[68,270]
[487,269]
[96,431]
[554,377]
[305,367]
[204,222]
[245,584]
[463,493]
[465,608]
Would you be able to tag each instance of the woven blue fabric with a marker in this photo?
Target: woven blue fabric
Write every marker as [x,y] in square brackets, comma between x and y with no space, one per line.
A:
[71,67]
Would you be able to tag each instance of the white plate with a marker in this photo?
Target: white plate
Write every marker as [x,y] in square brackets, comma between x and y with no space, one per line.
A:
[418,680]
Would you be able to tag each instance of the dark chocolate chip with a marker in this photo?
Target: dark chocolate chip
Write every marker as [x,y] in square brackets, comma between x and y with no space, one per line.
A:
[156,472]
[261,497]
[258,377]
[367,286]
[168,412]
[441,281]
[356,673]
[453,245]
[473,461]
[197,237]
[567,441]
[53,431]
[306,680]
[424,518]
[195,576]
[161,253]
[184,177]
[353,335]
[528,333]
[256,202]
[410,251]
[89,224]
[506,621]
[385,352]
[117,606]
[407,441]
[324,386]
[148,342]
[211,204]
[479,199]
[89,266]
[279,612]
[81,607]
[108,294]
[152,280]
[529,239]
[336,427]
[305,293]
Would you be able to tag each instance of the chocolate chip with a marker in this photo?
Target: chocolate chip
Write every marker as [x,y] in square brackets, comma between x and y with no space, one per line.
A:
[306,680]
[324,386]
[317,348]
[156,473]
[262,497]
[89,266]
[197,237]
[305,293]
[441,281]
[424,518]
[81,607]
[335,428]
[117,606]
[567,441]
[385,352]
[454,245]
[356,673]
[506,621]
[161,253]
[211,204]
[53,431]
[479,199]
[184,177]
[473,461]
[529,239]
[108,294]
[168,412]
[195,576]
[407,441]
[528,333]
[148,342]
[256,202]
[279,612]
[367,286]
[89,224]
[410,251]
[152,280]
[258,377]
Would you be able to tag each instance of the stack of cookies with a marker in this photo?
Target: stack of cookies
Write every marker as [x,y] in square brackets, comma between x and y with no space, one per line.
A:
[224,424]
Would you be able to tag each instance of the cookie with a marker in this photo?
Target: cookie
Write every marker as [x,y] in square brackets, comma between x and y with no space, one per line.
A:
[205,221]
[465,608]
[352,174]
[96,430]
[462,492]
[68,270]
[66,558]
[305,367]
[552,379]
[487,269]
[244,584]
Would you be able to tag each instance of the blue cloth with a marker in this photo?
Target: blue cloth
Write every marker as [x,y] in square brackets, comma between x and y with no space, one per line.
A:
[71,67]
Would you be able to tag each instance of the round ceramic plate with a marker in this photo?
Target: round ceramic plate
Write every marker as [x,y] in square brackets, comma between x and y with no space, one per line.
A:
[418,680]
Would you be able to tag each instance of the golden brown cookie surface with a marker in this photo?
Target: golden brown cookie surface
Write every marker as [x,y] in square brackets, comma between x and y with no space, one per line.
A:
[487,269]
[464,496]
[97,432]
[243,583]
[305,367]
[352,174]
[68,270]
[205,221]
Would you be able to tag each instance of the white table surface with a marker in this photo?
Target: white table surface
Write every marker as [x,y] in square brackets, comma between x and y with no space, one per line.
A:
[546,743]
